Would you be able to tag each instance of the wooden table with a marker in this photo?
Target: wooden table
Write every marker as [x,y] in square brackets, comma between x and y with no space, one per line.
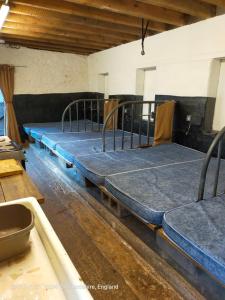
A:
[18,186]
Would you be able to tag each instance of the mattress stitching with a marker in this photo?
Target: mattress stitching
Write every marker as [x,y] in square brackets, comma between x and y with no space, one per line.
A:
[132,199]
[157,167]
[189,241]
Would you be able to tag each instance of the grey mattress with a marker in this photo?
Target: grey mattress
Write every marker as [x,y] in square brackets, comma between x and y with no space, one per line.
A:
[52,139]
[199,230]
[72,151]
[151,192]
[36,130]
[97,166]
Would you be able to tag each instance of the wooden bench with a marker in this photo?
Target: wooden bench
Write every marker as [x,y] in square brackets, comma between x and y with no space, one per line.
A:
[18,186]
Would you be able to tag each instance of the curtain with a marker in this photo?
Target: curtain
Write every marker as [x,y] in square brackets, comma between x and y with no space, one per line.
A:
[108,107]
[7,87]
[164,123]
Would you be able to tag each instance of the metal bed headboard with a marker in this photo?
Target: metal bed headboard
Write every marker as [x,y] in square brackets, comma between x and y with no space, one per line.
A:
[218,141]
[83,103]
[150,120]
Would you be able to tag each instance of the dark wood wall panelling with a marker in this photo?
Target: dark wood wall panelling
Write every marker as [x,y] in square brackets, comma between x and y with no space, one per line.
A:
[49,108]
[45,107]
[200,135]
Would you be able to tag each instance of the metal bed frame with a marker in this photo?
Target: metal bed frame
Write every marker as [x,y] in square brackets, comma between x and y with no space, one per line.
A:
[218,141]
[152,105]
[94,106]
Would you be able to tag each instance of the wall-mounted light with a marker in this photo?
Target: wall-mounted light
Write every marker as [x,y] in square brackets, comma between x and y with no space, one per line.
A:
[4,10]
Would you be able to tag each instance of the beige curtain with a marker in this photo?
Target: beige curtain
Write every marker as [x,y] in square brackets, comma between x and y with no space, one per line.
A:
[7,87]
[108,107]
[164,123]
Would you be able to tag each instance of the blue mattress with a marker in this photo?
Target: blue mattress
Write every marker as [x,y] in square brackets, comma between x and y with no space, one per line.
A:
[199,230]
[38,126]
[71,152]
[52,139]
[151,192]
[36,130]
[97,167]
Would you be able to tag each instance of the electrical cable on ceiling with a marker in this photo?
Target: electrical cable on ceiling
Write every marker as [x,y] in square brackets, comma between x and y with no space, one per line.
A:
[143,35]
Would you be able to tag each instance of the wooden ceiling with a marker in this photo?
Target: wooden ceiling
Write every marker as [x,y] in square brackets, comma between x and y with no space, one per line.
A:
[88,26]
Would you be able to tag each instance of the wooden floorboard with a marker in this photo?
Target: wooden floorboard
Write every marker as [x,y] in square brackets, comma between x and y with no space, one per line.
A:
[90,263]
[99,253]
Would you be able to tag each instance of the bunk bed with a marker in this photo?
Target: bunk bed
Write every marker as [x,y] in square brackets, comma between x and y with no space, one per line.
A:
[80,115]
[104,164]
[198,228]
[37,130]
[50,140]
[73,150]
[151,192]
[159,185]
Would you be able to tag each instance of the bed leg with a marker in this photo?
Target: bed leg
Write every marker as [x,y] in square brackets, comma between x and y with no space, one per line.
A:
[23,163]
[68,166]
[113,204]
[50,152]
[30,139]
[88,183]
[41,145]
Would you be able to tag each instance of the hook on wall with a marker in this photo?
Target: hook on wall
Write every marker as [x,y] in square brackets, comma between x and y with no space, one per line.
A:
[143,35]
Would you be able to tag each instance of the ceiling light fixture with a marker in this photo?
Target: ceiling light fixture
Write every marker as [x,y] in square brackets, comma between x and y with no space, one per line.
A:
[4,10]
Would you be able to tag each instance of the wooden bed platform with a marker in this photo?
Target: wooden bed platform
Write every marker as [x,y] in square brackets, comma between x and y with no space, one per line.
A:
[104,250]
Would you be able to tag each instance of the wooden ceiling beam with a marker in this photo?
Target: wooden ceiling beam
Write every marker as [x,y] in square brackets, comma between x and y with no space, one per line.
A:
[49,38]
[71,10]
[20,38]
[220,3]
[136,9]
[21,10]
[190,7]
[58,33]
[47,46]
[52,49]
[70,27]
[74,20]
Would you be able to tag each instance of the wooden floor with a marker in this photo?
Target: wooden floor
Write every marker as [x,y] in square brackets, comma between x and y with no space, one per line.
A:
[101,250]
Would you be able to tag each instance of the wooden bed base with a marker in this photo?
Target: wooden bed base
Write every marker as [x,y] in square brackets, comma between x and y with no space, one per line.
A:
[167,247]
[108,200]
[169,251]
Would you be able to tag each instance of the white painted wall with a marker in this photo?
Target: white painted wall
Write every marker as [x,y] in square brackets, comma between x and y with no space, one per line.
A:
[219,119]
[45,71]
[187,61]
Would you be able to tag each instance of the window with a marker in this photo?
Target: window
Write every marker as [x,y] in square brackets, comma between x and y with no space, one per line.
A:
[146,84]
[1,97]
[2,113]
[103,84]
[219,121]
